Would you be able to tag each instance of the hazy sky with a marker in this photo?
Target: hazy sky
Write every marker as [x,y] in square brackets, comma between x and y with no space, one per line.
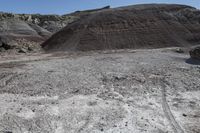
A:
[67,6]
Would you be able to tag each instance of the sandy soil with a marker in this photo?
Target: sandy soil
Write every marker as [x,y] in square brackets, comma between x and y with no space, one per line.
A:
[129,91]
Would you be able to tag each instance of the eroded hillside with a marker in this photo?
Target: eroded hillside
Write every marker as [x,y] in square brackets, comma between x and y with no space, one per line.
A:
[28,31]
[140,26]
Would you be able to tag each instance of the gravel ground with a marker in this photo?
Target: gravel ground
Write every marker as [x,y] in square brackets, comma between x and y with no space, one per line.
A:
[138,91]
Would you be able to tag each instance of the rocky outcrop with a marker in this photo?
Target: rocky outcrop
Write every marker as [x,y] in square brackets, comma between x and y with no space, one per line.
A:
[140,26]
[19,44]
[195,53]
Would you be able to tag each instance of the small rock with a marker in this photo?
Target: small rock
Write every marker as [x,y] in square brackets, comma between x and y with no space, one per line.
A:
[179,50]
[184,115]
[92,103]
[22,50]
[195,53]
[30,49]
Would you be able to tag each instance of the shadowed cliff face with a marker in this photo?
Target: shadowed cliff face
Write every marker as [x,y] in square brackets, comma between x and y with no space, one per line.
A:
[140,26]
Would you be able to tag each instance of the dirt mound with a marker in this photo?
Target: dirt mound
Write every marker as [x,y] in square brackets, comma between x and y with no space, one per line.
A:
[139,26]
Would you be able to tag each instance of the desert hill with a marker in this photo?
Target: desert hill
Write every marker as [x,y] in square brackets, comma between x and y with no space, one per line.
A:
[29,29]
[25,30]
[138,26]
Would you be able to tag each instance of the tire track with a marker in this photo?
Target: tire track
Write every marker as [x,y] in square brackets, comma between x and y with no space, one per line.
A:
[167,111]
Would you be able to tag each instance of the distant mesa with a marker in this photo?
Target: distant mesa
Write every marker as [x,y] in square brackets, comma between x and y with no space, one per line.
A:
[131,27]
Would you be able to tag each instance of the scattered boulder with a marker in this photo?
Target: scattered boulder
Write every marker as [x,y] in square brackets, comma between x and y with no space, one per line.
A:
[179,50]
[8,46]
[195,53]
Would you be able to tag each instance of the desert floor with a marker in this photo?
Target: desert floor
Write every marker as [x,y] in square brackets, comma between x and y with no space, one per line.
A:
[124,91]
